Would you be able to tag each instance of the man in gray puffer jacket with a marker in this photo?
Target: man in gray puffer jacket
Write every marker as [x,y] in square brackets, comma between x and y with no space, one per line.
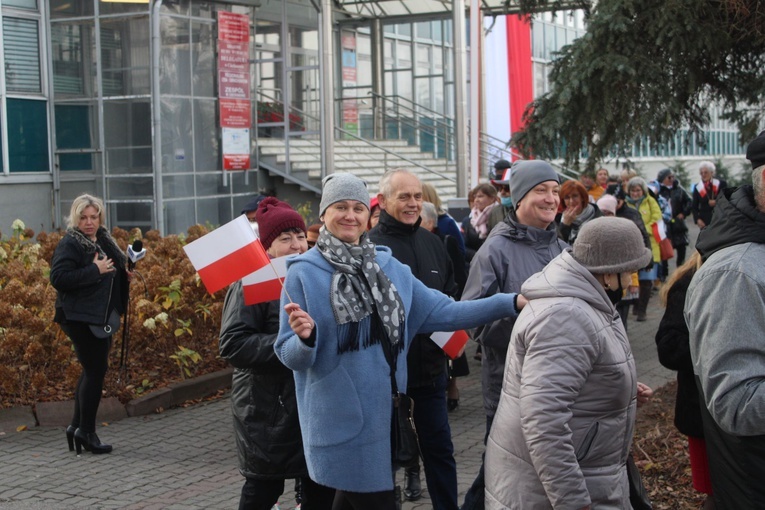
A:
[516,249]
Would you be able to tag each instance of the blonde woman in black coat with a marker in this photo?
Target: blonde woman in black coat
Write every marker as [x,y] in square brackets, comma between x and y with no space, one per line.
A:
[89,271]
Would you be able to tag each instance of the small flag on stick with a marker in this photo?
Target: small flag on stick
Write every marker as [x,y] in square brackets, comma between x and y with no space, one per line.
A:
[265,284]
[227,254]
[451,342]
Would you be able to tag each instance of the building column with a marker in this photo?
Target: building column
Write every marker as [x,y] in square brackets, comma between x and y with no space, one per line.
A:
[378,104]
[327,73]
[460,99]
[476,103]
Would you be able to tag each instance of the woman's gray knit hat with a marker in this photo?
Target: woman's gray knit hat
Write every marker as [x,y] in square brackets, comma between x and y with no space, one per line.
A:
[611,245]
[342,186]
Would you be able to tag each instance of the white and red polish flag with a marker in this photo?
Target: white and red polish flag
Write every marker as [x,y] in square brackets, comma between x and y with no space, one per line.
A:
[265,284]
[227,254]
[451,342]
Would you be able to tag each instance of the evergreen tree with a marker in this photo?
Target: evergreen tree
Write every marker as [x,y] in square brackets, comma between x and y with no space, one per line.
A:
[648,68]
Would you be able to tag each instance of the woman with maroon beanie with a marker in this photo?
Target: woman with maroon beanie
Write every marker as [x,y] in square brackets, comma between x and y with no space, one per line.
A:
[263,402]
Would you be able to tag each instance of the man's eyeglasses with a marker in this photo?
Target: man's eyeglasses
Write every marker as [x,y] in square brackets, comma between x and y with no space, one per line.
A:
[502,187]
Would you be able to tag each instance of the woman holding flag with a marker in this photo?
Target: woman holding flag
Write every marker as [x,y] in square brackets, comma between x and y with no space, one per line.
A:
[263,403]
[349,304]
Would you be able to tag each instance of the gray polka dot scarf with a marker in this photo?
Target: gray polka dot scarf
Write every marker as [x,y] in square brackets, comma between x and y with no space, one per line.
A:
[360,292]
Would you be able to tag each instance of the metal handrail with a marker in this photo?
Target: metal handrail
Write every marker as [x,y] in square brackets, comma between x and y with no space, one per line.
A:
[413,110]
[373,144]
[506,148]
[440,128]
[368,142]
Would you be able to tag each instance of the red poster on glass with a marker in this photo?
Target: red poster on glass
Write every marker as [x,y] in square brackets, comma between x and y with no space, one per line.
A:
[235,113]
[233,27]
[233,85]
[236,161]
[234,89]
[234,56]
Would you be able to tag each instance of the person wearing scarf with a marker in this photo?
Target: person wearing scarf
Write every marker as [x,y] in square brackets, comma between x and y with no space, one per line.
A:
[343,300]
[484,200]
[89,271]
[577,210]
[639,199]
[705,194]
[476,226]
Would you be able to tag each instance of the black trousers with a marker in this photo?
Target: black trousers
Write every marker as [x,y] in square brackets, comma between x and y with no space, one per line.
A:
[680,251]
[364,500]
[93,355]
[259,494]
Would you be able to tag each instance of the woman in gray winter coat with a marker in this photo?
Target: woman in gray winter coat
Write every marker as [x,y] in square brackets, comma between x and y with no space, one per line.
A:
[563,429]
[263,401]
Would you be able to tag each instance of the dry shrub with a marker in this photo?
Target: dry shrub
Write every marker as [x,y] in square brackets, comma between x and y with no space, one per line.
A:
[37,361]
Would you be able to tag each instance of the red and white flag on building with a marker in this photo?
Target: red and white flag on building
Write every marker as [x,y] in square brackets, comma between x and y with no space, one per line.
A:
[265,284]
[451,342]
[227,254]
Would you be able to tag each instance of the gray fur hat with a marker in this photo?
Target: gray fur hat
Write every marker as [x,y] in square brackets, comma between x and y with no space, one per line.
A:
[527,174]
[611,245]
[342,186]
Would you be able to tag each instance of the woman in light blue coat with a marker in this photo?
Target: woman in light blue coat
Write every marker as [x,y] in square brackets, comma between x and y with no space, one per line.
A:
[347,300]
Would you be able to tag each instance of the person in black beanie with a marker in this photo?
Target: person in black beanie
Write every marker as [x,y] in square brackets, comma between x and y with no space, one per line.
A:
[680,202]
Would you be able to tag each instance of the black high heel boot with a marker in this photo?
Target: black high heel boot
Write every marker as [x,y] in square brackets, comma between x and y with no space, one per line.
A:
[70,437]
[90,441]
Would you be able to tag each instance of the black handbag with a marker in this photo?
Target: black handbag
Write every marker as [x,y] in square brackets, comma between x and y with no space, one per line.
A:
[404,444]
[405,447]
[108,329]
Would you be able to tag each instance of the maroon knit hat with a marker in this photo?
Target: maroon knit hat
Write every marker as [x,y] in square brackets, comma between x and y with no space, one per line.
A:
[274,217]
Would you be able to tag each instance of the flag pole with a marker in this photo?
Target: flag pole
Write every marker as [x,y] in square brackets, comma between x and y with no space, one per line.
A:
[281,282]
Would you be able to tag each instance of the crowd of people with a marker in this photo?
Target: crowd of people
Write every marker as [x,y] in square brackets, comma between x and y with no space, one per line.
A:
[541,272]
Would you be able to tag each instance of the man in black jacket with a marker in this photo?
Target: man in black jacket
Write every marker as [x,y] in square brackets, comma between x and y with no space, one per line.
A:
[400,199]
[680,202]
[725,313]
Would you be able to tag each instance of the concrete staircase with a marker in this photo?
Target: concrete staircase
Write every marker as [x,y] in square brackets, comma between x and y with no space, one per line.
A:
[369,162]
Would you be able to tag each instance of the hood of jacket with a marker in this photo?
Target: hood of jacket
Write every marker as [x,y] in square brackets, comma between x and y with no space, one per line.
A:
[516,231]
[736,220]
[564,277]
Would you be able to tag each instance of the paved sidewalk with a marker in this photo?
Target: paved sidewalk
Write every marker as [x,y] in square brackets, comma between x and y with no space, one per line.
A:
[185,458]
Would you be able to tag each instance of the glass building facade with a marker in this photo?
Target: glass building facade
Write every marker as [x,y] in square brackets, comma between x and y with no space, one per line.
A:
[121,100]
